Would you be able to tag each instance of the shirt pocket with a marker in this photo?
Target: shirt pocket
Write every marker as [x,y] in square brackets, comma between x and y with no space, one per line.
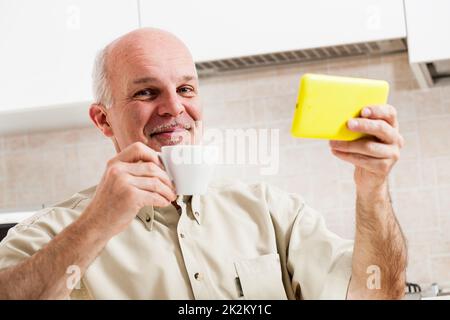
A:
[260,278]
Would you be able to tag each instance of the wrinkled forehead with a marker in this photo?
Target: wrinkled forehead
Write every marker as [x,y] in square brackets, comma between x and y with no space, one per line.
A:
[164,61]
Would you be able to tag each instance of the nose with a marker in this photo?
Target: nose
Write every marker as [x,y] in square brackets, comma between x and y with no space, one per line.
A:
[170,106]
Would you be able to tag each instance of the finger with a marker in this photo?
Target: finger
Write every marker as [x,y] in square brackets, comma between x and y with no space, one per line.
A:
[366,147]
[378,128]
[383,112]
[153,185]
[365,162]
[154,199]
[148,169]
[138,151]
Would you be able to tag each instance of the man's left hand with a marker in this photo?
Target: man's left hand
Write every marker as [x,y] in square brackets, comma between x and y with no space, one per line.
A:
[373,155]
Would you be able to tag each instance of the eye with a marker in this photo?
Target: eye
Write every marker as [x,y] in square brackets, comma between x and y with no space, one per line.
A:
[145,94]
[186,91]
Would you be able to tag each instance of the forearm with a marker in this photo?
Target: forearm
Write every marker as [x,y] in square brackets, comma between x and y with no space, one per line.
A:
[379,245]
[44,275]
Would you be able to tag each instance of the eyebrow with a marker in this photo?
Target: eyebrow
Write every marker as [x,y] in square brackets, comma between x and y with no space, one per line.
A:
[153,79]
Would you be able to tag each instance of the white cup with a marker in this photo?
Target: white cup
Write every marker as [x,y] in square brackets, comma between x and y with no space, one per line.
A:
[190,167]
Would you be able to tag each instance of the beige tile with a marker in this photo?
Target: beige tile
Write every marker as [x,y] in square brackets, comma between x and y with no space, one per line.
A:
[416,209]
[358,67]
[9,198]
[325,190]
[90,135]
[406,109]
[444,212]
[235,88]
[428,103]
[53,139]
[426,238]
[322,161]
[24,168]
[2,194]
[409,127]
[279,108]
[399,67]
[93,163]
[238,112]
[404,86]
[210,91]
[2,167]
[284,131]
[215,114]
[419,265]
[443,170]
[428,173]
[294,161]
[441,267]
[258,106]
[15,143]
[444,199]
[406,174]
[33,198]
[269,86]
[347,192]
[71,160]
[434,136]
[346,170]
[288,85]
[64,185]
[299,184]
[440,247]
[445,94]
[411,149]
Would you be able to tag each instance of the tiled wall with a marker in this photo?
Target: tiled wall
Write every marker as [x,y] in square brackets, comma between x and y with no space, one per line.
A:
[44,168]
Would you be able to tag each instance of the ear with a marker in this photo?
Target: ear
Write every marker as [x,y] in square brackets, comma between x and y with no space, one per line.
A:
[99,116]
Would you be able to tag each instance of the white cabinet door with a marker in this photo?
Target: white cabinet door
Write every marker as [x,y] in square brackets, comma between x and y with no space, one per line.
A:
[233,28]
[428,28]
[47,47]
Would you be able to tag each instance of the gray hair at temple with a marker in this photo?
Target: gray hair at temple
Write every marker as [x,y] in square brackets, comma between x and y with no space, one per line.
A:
[100,84]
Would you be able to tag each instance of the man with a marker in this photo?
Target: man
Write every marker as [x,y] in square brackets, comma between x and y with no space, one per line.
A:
[132,238]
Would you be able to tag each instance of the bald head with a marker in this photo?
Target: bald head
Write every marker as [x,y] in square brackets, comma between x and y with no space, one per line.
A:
[146,89]
[154,44]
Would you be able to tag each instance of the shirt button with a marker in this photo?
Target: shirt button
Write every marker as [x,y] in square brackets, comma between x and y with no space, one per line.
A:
[196,213]
[148,219]
[198,276]
[182,235]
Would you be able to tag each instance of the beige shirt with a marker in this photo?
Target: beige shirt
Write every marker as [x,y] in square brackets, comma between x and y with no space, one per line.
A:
[239,241]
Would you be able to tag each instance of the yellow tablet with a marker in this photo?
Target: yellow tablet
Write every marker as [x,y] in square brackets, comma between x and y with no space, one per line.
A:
[325,104]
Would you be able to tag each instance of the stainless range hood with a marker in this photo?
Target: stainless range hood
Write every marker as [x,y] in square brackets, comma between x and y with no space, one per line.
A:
[215,67]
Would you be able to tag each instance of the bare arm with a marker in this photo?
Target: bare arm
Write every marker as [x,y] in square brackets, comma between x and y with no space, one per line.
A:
[379,244]
[132,180]
[43,276]
[380,254]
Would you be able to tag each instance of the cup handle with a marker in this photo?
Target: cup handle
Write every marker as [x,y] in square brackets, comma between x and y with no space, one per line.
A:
[166,168]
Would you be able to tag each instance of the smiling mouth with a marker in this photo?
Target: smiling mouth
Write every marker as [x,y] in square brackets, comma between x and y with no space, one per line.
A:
[169,128]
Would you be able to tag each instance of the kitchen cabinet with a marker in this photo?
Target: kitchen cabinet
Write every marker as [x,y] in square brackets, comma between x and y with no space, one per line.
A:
[47,48]
[216,30]
[428,29]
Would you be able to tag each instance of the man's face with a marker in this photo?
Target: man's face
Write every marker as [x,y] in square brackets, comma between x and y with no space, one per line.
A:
[155,93]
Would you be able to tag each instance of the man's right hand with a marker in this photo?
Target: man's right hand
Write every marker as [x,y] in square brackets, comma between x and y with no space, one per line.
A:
[134,178]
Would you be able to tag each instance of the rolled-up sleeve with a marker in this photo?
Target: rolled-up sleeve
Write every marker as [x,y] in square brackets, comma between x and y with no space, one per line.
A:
[21,242]
[319,261]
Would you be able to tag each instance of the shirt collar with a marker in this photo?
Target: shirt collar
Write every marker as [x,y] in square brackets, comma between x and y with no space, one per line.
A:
[195,206]
[183,202]
[147,213]
[147,216]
